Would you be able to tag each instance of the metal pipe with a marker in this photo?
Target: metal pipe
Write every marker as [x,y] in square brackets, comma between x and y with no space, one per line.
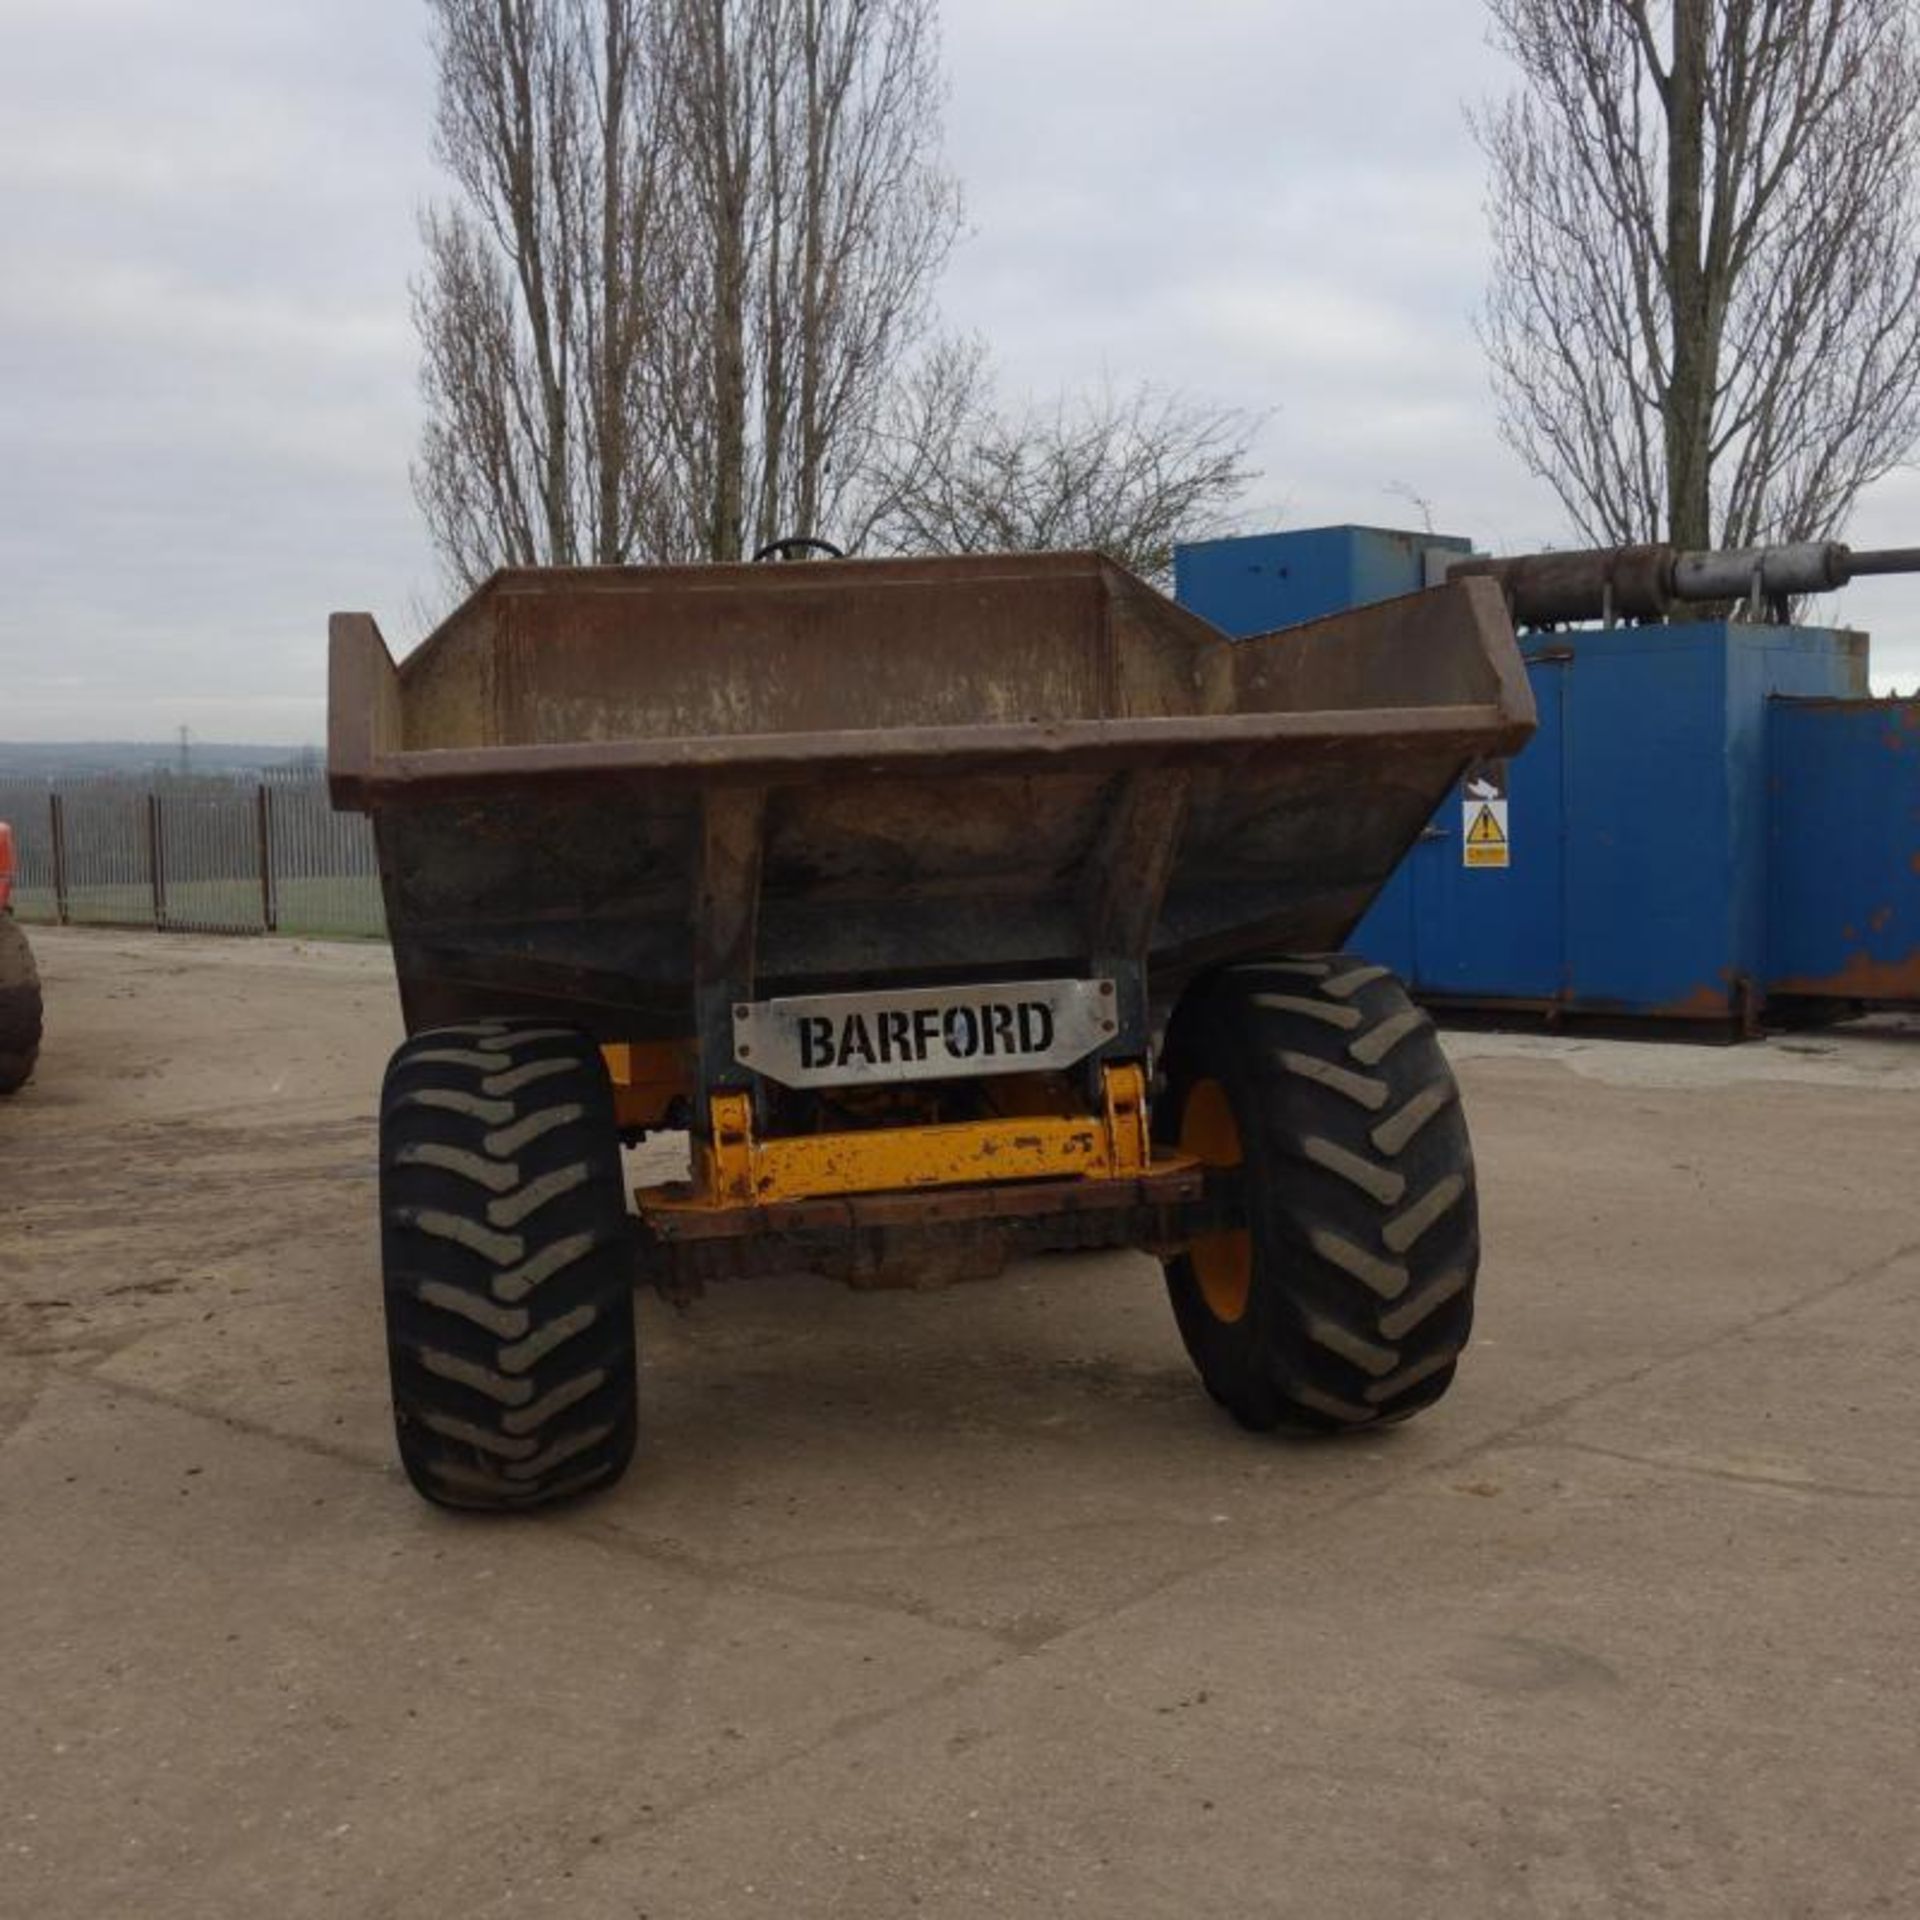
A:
[1647,582]
[1883,560]
[1772,573]
[1598,583]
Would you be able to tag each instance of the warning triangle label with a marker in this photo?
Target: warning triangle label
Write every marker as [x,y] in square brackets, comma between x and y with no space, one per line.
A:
[1486,831]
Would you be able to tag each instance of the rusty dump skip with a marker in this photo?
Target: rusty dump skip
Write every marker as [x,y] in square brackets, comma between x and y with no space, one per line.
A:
[617,790]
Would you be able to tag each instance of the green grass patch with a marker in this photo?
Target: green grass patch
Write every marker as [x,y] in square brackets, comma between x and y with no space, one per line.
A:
[343,907]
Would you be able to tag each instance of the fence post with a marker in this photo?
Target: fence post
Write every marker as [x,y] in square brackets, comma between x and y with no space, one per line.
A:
[156,864]
[57,827]
[263,820]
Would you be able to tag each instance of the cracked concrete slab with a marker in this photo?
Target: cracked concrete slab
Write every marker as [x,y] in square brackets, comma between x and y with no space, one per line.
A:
[956,1603]
[235,1688]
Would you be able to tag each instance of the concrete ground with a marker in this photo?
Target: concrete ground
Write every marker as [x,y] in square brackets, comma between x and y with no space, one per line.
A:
[966,1603]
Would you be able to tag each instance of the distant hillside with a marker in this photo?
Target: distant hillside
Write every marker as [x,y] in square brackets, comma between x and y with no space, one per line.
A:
[42,760]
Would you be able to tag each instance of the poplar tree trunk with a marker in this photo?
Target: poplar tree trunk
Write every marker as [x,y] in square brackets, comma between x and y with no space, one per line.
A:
[1704,320]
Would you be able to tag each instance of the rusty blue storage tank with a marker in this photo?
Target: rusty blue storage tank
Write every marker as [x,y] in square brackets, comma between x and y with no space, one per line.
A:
[1844,821]
[1698,826]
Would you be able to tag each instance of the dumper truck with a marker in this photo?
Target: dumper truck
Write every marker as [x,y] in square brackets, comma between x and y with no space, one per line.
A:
[955,909]
[20,1006]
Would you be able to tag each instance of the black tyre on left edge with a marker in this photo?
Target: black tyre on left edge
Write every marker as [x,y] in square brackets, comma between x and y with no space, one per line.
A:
[19,1007]
[1336,1290]
[507,1264]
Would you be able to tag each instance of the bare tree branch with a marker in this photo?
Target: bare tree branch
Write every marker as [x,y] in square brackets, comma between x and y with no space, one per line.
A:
[806,234]
[1130,472]
[694,241]
[1706,224]
[532,309]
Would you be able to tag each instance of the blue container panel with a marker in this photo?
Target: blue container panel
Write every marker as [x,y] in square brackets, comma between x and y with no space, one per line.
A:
[1386,935]
[1255,583]
[1649,904]
[1484,931]
[1638,881]
[1487,932]
[1844,802]
[1765,666]
[1652,871]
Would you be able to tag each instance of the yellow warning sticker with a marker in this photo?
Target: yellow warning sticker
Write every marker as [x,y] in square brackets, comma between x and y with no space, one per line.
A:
[1486,843]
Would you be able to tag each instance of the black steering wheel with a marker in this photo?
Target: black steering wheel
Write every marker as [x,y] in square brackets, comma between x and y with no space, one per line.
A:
[797,546]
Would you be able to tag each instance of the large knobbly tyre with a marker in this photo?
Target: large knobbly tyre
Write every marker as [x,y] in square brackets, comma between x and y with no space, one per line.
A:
[19,1007]
[509,1279]
[1338,1291]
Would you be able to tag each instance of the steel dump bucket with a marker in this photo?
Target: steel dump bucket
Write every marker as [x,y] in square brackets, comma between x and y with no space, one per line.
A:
[597,790]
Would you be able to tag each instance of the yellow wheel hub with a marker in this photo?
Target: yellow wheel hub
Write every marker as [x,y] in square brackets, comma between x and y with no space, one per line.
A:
[1222,1261]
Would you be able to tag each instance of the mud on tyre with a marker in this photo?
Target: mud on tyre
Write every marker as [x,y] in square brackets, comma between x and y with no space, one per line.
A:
[1335,1287]
[507,1268]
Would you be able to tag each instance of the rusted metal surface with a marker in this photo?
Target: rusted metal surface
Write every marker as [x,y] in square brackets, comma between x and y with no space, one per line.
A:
[1168,1186]
[1605,583]
[969,769]
[1844,799]
[263,842]
[736,1166]
[725,914]
[1648,582]
[918,1239]
[1861,977]
[1129,864]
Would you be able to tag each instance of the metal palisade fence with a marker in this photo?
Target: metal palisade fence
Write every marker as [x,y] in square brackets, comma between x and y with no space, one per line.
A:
[191,853]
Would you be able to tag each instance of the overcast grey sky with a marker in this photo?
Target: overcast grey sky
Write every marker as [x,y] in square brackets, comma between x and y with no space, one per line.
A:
[207,396]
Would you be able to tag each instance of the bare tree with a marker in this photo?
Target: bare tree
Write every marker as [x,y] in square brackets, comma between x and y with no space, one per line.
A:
[693,240]
[533,315]
[1703,324]
[1128,471]
[812,217]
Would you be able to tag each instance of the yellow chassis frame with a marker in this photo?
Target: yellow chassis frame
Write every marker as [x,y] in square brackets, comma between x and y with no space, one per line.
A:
[733,1168]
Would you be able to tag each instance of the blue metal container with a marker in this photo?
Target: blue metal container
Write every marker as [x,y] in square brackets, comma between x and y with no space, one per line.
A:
[1844,812]
[1639,831]
[1267,580]
[1646,874]
[1452,929]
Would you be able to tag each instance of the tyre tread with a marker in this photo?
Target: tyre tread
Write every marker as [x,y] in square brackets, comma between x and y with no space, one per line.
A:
[508,1280]
[1359,1190]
